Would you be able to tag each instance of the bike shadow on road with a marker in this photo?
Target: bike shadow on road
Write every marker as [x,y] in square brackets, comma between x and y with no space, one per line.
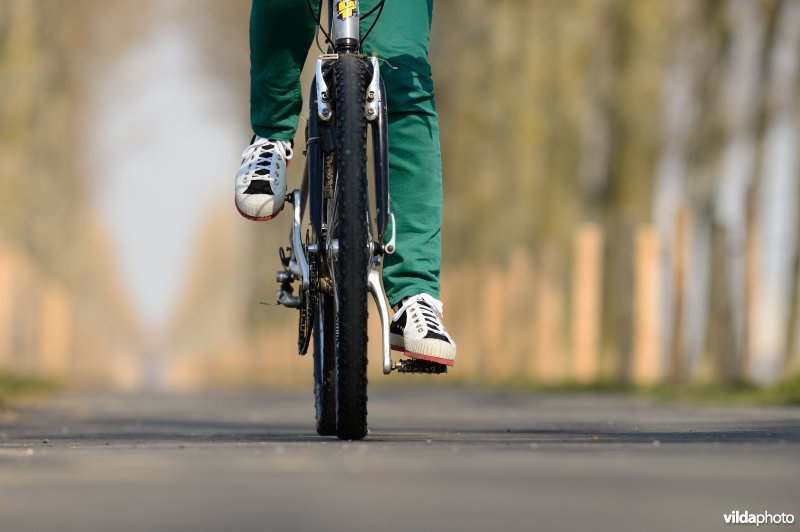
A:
[112,431]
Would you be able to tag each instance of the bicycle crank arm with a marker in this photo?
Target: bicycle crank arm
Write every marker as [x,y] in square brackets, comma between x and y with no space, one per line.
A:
[375,288]
[298,265]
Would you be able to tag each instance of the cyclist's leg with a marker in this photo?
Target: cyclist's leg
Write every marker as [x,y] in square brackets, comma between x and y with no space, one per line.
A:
[402,36]
[281,32]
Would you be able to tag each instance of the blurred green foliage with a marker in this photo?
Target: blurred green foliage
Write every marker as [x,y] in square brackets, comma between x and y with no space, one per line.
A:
[554,113]
[617,113]
[14,387]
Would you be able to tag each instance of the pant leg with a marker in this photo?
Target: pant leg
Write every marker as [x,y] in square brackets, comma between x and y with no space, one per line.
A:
[402,37]
[281,32]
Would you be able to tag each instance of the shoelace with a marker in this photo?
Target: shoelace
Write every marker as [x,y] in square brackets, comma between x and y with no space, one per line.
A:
[262,169]
[428,305]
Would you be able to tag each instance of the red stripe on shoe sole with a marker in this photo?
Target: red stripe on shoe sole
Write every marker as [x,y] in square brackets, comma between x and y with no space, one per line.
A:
[258,218]
[429,358]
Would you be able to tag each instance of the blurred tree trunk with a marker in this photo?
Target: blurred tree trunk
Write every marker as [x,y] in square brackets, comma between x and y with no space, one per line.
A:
[680,114]
[777,201]
[793,340]
[598,132]
[602,175]
[741,94]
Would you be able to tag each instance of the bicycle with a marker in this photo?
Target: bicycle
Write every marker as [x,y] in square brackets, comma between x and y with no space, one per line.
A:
[338,262]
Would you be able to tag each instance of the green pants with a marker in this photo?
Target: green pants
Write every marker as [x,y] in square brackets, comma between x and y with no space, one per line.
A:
[281,33]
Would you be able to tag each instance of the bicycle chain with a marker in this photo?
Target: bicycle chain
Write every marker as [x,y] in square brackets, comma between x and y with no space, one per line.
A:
[308,306]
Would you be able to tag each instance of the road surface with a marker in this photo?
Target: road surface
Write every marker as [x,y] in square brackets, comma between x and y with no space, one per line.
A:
[434,460]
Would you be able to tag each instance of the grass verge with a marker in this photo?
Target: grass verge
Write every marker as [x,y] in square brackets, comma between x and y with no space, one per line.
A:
[786,392]
[15,387]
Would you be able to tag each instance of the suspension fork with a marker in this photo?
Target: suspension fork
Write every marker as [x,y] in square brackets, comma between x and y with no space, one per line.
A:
[376,114]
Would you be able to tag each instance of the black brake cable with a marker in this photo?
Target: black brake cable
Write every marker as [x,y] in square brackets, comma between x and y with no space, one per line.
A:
[379,7]
[316,17]
[371,11]
[331,46]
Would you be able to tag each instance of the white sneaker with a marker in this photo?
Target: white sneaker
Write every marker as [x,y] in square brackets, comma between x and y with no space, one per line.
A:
[261,180]
[417,330]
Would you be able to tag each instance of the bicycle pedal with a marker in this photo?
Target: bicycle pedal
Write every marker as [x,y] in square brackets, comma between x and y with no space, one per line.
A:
[413,365]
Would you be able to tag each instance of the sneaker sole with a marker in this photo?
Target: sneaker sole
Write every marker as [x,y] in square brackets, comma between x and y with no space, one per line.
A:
[421,356]
[258,218]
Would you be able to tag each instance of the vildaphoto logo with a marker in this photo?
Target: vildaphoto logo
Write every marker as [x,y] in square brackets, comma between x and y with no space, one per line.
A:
[764,518]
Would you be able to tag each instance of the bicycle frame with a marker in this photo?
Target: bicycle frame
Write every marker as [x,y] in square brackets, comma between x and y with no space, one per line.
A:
[343,22]
[334,194]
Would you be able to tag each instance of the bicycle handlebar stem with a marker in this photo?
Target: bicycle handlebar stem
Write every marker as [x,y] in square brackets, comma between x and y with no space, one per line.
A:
[345,22]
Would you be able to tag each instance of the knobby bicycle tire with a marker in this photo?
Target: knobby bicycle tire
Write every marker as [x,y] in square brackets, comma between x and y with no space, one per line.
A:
[324,366]
[352,259]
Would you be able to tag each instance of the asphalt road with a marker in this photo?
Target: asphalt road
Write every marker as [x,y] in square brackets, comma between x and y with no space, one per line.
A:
[434,460]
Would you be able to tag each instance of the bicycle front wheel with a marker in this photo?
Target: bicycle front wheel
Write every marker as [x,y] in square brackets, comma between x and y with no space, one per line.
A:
[350,262]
